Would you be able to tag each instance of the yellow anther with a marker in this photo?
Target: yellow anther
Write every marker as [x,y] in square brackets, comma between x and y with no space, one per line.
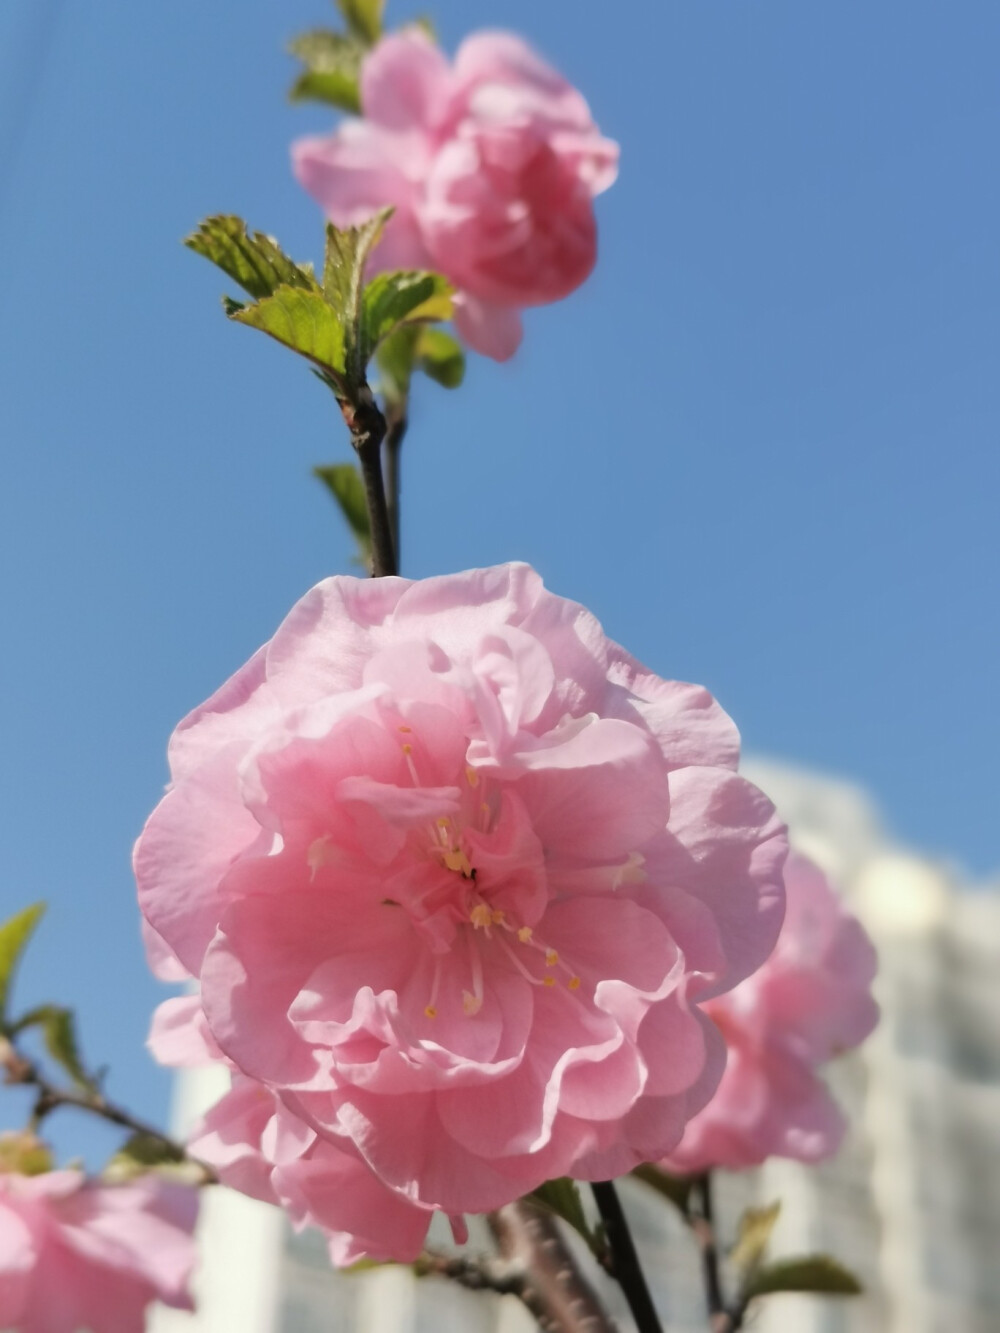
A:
[472,777]
[431,1012]
[443,822]
[471,1004]
[573,983]
[548,981]
[498,917]
[485,808]
[407,749]
[403,728]
[481,916]
[456,859]
[525,934]
[551,958]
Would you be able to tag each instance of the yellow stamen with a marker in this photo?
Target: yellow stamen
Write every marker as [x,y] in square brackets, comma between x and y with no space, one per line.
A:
[573,983]
[498,917]
[525,934]
[444,821]
[548,981]
[471,1003]
[407,749]
[431,1012]
[551,958]
[481,916]
[485,808]
[472,777]
[402,728]
[456,859]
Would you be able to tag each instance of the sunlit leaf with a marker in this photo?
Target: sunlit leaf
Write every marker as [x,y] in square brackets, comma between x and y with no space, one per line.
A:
[301,320]
[364,18]
[753,1234]
[815,1273]
[332,69]
[15,933]
[255,261]
[393,299]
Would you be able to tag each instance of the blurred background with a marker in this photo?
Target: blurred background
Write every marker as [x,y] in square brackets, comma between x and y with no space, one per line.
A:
[761,443]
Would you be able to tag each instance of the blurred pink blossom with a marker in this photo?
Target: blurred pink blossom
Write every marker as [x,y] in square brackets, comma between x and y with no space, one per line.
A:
[810,1001]
[491,164]
[454,871]
[76,1254]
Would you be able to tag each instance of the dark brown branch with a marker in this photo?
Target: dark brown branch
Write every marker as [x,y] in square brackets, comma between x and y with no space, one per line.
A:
[395,431]
[367,426]
[554,1290]
[626,1268]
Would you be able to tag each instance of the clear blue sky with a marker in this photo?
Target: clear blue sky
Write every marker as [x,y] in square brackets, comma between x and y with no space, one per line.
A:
[762,444]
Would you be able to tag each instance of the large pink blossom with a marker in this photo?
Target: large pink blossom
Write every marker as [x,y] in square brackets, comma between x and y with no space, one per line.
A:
[453,872]
[76,1254]
[491,164]
[810,1001]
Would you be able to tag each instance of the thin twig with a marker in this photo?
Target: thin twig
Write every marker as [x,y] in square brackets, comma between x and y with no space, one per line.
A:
[627,1270]
[23,1072]
[554,1289]
[701,1220]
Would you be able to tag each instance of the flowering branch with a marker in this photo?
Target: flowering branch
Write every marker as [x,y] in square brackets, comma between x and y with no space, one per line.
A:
[701,1220]
[21,1071]
[552,1288]
[368,428]
[625,1267]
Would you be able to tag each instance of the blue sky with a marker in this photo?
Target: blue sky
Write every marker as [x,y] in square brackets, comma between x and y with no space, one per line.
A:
[762,443]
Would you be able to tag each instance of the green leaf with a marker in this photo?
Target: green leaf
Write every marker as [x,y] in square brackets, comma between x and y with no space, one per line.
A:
[753,1234]
[58,1027]
[256,262]
[394,357]
[562,1197]
[364,18]
[814,1273]
[333,69]
[393,299]
[441,357]
[14,936]
[302,321]
[343,480]
[675,1188]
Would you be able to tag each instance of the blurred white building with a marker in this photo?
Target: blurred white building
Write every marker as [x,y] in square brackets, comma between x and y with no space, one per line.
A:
[911,1204]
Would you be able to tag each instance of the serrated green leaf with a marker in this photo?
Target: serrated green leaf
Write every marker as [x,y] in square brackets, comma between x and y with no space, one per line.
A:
[347,252]
[675,1188]
[393,299]
[441,357]
[333,69]
[343,480]
[14,936]
[562,1197]
[302,321]
[364,18]
[753,1234]
[814,1273]
[256,262]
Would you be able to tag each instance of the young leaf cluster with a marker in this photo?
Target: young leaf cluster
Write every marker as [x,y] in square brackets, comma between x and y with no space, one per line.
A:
[331,60]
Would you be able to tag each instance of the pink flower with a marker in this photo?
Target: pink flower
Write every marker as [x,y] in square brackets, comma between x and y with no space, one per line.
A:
[810,1001]
[491,163]
[75,1254]
[453,870]
[256,1146]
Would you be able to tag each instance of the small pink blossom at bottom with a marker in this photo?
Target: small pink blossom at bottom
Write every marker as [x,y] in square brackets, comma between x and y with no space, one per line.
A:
[76,1254]
[809,1002]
